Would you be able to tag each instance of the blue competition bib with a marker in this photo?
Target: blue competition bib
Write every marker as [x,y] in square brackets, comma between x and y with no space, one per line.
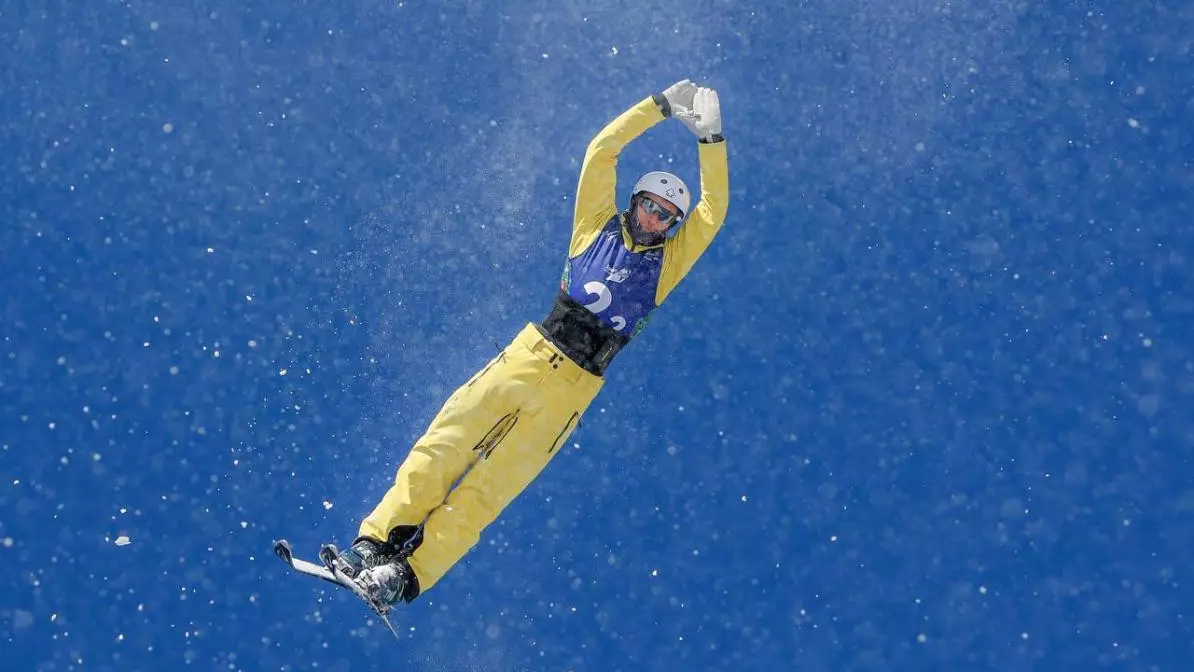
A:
[615,284]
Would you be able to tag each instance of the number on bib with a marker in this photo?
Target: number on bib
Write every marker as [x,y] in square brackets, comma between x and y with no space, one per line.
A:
[604,300]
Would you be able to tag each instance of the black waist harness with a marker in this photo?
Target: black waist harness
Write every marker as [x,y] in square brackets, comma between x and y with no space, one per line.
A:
[581,336]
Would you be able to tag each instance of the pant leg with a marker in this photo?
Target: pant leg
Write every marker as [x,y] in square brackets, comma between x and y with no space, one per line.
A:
[448,447]
[544,419]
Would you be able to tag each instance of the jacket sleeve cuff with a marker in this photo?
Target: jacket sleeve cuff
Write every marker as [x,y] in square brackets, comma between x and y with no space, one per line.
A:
[665,108]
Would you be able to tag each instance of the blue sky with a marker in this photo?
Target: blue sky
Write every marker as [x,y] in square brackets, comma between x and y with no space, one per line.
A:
[923,405]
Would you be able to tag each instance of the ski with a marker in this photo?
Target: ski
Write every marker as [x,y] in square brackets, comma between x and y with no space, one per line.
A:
[328,572]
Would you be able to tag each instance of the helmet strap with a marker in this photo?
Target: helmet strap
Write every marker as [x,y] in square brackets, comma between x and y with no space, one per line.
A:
[638,234]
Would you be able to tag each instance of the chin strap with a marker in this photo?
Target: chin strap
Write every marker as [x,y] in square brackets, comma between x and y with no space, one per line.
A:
[637,233]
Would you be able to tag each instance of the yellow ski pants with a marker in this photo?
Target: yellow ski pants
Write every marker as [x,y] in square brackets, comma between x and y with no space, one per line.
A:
[492,437]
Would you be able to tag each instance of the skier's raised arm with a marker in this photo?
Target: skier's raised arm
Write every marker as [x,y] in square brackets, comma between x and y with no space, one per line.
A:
[596,199]
[694,237]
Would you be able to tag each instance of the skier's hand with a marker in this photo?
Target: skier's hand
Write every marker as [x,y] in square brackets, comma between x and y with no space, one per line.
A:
[680,94]
[704,117]
[707,106]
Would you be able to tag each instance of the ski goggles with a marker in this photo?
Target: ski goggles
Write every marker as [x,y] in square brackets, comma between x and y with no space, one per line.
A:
[657,210]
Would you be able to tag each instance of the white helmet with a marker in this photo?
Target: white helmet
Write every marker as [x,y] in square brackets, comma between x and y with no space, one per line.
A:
[665,186]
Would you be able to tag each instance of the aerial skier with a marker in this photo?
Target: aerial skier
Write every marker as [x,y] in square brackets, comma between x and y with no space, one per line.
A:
[498,431]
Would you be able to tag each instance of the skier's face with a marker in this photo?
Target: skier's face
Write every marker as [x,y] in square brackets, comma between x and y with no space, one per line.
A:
[655,215]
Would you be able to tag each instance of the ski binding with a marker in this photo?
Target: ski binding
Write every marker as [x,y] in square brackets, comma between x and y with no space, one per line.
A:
[328,572]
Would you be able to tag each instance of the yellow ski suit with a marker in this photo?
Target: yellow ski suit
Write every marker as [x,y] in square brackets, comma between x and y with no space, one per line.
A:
[498,430]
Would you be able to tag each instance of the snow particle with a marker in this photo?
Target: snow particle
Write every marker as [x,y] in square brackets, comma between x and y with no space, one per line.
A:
[167,127]
[1133,123]
[1148,406]
[123,540]
[327,505]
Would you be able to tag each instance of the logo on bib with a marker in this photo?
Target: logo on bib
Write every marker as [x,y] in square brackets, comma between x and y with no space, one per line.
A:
[617,275]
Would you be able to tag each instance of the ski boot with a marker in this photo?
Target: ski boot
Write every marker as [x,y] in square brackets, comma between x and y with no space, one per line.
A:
[387,584]
[364,554]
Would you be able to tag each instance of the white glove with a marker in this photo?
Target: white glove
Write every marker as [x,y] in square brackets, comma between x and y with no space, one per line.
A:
[680,94]
[704,117]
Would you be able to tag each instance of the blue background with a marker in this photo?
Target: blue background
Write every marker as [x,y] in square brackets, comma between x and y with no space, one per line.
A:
[925,403]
